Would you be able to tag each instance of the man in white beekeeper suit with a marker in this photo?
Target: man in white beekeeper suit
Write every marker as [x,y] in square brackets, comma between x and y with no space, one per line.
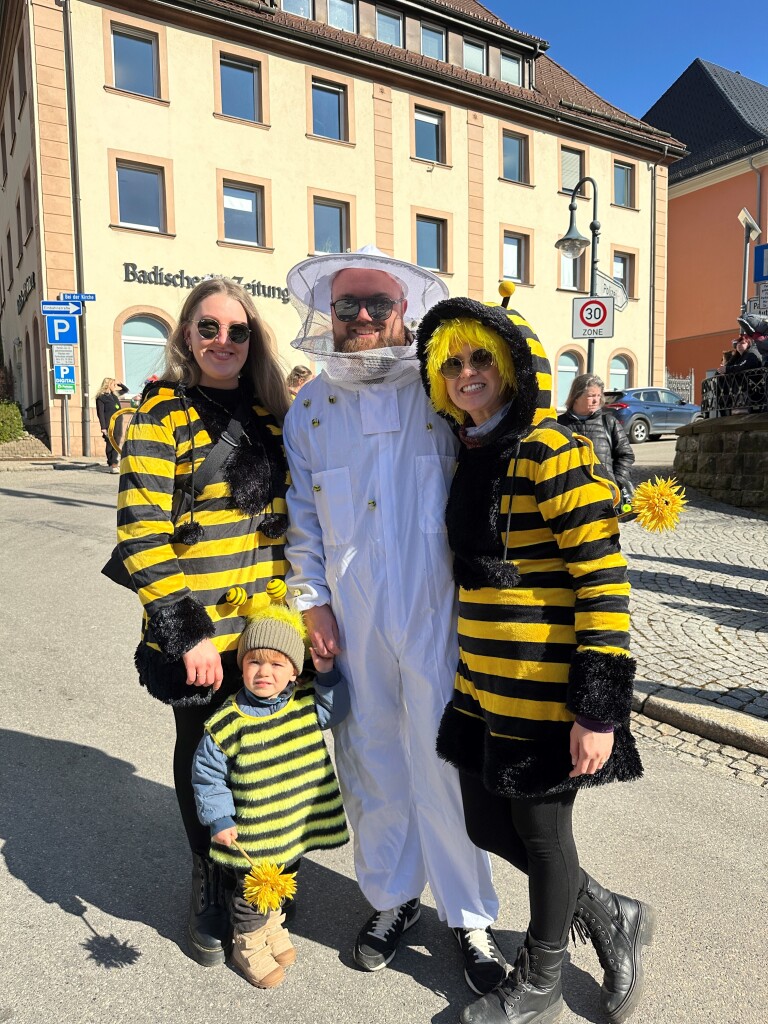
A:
[370,466]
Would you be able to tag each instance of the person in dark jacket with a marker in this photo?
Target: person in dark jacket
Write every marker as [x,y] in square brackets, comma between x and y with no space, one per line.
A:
[739,392]
[755,327]
[107,404]
[585,415]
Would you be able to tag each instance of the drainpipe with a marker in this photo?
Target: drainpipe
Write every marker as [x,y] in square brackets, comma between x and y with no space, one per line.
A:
[652,289]
[759,217]
[74,173]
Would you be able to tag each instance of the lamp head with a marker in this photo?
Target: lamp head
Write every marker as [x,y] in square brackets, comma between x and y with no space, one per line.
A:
[573,243]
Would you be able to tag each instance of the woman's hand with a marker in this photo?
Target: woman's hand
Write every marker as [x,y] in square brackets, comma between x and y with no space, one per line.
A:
[589,750]
[203,665]
[225,837]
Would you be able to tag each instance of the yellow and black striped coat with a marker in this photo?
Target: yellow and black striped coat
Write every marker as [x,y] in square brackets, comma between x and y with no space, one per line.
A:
[544,631]
[182,581]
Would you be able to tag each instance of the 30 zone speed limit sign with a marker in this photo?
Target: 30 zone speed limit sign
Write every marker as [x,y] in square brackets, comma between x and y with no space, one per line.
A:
[593,317]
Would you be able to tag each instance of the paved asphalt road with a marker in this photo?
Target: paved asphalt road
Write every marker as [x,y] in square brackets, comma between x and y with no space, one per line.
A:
[94,879]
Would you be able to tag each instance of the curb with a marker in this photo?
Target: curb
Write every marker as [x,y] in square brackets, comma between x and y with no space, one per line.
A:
[683,711]
[27,465]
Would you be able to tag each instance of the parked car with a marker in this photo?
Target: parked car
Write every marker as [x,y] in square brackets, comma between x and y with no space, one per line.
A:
[647,413]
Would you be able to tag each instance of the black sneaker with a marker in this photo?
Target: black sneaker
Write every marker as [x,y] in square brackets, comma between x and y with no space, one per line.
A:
[484,965]
[377,942]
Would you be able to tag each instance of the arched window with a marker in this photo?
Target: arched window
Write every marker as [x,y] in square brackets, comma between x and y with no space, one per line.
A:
[143,339]
[620,378]
[568,368]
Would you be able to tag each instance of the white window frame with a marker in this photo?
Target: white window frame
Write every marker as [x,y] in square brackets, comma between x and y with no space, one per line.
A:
[395,16]
[324,85]
[146,37]
[434,117]
[511,58]
[442,241]
[345,221]
[437,31]
[258,196]
[160,175]
[522,255]
[347,5]
[254,67]
[477,46]
[308,4]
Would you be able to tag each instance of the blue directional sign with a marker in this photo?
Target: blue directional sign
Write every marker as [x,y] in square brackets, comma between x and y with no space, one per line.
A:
[61,330]
[64,380]
[67,308]
[761,263]
[79,296]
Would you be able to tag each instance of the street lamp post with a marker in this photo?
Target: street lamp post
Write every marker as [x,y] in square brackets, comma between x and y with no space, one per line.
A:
[573,244]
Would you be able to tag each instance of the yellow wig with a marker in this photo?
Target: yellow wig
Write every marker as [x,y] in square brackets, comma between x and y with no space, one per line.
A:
[449,339]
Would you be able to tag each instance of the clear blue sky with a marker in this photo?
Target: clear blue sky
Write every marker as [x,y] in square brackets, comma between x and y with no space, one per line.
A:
[631,54]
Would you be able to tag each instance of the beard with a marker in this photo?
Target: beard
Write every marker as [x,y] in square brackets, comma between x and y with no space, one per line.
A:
[383,338]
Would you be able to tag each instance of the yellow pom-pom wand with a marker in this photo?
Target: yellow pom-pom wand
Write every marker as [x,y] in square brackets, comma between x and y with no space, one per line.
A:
[506,291]
[267,884]
[276,590]
[658,505]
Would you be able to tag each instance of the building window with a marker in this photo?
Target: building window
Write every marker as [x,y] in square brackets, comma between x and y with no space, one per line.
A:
[572,273]
[331,225]
[140,197]
[22,72]
[303,8]
[143,339]
[623,184]
[624,271]
[19,229]
[329,115]
[389,28]
[3,153]
[430,243]
[474,57]
[433,42]
[243,214]
[568,367]
[28,201]
[619,378]
[571,168]
[9,250]
[342,14]
[515,259]
[430,134]
[135,62]
[240,89]
[514,155]
[511,69]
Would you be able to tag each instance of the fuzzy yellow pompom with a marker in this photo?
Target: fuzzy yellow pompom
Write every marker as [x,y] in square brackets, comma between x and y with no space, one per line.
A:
[277,590]
[658,505]
[267,885]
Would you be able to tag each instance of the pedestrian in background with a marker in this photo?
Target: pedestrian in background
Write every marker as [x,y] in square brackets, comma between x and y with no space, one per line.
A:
[297,378]
[585,415]
[107,404]
[196,572]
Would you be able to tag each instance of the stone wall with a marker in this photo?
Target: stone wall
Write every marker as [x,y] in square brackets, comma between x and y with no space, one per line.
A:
[27,447]
[726,458]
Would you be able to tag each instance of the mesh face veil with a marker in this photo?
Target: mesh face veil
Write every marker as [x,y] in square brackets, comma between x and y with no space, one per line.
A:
[310,283]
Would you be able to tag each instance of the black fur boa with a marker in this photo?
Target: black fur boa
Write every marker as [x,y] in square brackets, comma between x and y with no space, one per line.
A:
[515,768]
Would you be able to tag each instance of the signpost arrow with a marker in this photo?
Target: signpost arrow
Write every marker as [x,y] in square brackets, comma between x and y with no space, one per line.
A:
[607,286]
[57,308]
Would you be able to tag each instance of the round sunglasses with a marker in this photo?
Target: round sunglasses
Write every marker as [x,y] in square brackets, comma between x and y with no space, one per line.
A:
[379,307]
[479,359]
[208,327]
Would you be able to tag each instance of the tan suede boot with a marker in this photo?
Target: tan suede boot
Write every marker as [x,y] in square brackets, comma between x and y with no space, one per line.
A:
[279,941]
[253,958]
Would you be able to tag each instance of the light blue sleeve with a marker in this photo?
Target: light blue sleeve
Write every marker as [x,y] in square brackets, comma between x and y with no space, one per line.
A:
[331,698]
[210,782]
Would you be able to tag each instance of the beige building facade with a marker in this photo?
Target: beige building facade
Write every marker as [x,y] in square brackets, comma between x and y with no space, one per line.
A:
[147,145]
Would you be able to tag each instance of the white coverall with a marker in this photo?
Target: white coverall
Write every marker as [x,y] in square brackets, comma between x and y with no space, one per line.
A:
[370,469]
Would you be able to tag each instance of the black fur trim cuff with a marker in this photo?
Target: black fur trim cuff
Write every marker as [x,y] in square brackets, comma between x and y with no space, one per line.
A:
[600,686]
[484,571]
[178,627]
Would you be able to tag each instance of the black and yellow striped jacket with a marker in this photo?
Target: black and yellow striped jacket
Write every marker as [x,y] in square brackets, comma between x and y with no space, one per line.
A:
[183,581]
[544,631]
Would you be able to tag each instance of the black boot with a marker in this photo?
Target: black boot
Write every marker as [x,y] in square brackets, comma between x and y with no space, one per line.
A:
[531,995]
[208,930]
[618,927]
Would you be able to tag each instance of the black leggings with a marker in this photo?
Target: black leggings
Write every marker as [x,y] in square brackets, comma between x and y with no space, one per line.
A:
[189,732]
[536,836]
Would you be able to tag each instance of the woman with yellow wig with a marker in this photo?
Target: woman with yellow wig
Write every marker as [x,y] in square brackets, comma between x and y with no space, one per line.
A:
[543,688]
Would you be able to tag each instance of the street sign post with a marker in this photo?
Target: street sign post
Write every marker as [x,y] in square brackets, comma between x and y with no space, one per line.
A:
[64,380]
[593,317]
[49,308]
[61,330]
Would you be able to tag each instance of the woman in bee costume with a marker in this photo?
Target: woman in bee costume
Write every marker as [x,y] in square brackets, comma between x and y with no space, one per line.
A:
[543,688]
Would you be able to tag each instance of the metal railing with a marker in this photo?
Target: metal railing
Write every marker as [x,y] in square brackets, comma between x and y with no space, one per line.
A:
[725,392]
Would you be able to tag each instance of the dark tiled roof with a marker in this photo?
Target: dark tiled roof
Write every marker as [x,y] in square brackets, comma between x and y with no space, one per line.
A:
[557,91]
[720,115]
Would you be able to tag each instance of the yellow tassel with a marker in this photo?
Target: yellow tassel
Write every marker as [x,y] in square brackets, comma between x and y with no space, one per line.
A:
[658,505]
[267,885]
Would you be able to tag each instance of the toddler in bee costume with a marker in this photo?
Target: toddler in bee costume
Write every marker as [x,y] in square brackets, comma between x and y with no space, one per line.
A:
[262,776]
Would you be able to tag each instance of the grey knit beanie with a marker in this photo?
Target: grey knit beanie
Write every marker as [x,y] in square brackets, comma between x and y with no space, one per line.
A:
[276,629]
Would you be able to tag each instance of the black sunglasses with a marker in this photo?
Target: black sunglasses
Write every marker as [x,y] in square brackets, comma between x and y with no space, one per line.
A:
[208,327]
[480,359]
[379,307]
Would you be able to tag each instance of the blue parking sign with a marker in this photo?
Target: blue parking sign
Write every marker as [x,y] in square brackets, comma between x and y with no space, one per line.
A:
[61,330]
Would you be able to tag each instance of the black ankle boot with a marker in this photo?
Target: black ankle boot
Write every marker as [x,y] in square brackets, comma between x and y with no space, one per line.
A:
[531,995]
[208,928]
[618,928]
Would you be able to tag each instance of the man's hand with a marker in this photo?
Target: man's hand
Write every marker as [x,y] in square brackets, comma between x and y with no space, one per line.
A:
[203,665]
[323,631]
[589,750]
